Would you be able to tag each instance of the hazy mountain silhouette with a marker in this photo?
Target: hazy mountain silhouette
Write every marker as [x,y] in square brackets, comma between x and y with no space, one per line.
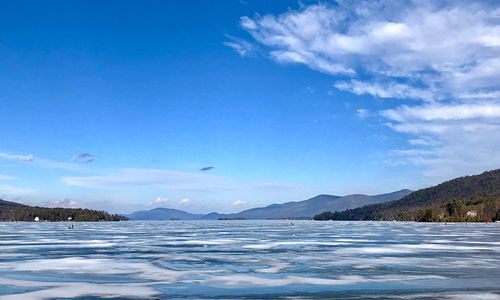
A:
[310,207]
[163,213]
[306,208]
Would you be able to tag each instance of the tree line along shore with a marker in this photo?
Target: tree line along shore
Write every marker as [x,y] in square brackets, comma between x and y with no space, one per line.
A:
[16,212]
[477,209]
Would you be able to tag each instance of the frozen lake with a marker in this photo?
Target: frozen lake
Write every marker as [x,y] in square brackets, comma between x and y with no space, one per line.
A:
[249,260]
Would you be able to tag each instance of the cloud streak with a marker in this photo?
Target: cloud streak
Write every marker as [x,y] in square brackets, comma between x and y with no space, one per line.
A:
[23,158]
[5,177]
[131,177]
[10,190]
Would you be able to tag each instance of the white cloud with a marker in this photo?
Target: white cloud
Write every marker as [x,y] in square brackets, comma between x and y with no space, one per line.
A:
[389,40]
[481,95]
[159,201]
[444,112]
[239,202]
[462,136]
[185,202]
[444,55]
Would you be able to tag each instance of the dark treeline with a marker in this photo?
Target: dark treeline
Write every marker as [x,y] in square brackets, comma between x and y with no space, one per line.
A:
[477,209]
[469,198]
[11,211]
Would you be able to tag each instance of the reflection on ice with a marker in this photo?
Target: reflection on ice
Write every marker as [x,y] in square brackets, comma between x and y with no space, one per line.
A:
[210,259]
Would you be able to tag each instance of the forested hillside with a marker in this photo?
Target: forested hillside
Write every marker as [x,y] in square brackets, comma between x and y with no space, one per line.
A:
[466,198]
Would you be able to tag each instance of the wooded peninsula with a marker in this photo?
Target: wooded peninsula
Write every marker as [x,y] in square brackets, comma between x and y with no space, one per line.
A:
[16,212]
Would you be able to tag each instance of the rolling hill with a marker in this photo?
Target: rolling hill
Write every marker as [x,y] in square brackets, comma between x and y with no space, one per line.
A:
[475,188]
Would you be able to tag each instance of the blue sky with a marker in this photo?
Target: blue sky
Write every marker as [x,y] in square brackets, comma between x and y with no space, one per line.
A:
[284,99]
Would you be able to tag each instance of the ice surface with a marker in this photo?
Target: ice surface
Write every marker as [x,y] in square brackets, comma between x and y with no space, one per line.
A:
[255,259]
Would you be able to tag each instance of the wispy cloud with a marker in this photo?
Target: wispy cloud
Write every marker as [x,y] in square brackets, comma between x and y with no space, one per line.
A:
[240,46]
[85,157]
[239,202]
[23,158]
[444,55]
[10,190]
[362,113]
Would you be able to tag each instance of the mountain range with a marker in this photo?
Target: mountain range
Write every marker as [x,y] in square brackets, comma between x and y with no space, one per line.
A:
[295,209]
